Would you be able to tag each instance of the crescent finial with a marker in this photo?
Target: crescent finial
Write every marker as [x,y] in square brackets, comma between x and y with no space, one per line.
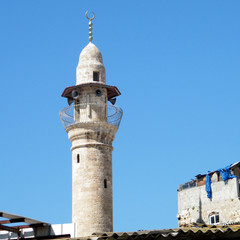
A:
[90,19]
[90,25]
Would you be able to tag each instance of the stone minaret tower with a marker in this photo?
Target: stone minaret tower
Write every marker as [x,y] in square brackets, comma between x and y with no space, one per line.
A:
[91,125]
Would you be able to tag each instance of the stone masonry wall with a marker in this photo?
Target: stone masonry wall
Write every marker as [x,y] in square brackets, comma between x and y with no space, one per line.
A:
[91,138]
[195,207]
[92,177]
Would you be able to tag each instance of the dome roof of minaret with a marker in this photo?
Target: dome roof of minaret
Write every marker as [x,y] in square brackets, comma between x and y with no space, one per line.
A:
[90,66]
[90,53]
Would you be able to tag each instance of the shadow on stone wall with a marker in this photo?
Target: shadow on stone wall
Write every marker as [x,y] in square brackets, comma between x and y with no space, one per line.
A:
[200,220]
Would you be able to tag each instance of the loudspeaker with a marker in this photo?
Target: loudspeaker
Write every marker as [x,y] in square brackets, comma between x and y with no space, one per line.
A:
[70,101]
[75,94]
[113,101]
[98,92]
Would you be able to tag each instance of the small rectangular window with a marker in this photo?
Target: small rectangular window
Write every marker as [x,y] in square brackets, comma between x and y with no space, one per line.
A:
[214,219]
[96,76]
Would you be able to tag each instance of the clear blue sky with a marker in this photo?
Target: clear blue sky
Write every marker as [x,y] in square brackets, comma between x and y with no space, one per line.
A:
[177,66]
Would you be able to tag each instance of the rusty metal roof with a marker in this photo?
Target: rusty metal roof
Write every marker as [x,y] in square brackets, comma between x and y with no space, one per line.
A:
[237,164]
[202,176]
[17,219]
[13,223]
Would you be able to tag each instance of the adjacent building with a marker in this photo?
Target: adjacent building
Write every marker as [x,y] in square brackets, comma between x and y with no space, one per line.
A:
[211,199]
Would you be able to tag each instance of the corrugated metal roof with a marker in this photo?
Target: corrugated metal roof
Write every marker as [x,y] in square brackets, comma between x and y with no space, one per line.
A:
[188,233]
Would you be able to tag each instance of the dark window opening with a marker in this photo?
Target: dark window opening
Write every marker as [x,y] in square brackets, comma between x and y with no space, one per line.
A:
[96,76]
[78,158]
[212,220]
[105,183]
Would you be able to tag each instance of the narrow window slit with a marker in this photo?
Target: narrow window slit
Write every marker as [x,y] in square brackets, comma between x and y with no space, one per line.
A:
[78,158]
[105,183]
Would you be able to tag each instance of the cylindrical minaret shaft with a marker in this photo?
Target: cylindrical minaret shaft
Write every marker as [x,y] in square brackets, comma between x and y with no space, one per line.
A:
[92,177]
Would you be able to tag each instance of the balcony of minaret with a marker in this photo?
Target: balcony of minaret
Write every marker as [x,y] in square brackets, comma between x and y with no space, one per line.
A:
[86,113]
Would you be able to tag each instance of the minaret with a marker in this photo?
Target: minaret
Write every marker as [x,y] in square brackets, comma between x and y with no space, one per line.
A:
[91,125]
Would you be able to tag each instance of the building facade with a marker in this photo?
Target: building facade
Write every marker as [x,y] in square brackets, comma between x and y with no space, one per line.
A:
[211,199]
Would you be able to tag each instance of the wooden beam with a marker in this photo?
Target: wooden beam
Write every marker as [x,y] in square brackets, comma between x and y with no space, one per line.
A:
[10,229]
[14,220]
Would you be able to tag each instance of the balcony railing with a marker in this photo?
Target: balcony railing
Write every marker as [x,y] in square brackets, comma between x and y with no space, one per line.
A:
[91,112]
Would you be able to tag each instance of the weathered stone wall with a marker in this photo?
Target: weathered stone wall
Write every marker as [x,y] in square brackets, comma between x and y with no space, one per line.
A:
[195,207]
[91,138]
[91,107]
[92,177]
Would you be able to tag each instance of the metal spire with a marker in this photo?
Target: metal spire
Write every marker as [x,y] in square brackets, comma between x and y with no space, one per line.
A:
[90,25]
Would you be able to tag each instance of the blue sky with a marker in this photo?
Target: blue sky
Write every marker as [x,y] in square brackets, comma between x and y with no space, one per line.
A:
[177,66]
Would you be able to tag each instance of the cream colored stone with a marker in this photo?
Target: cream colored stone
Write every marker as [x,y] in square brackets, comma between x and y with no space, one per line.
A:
[194,206]
[90,60]
[214,177]
[91,139]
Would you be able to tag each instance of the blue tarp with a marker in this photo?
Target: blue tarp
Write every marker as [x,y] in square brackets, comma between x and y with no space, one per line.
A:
[208,185]
[226,174]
